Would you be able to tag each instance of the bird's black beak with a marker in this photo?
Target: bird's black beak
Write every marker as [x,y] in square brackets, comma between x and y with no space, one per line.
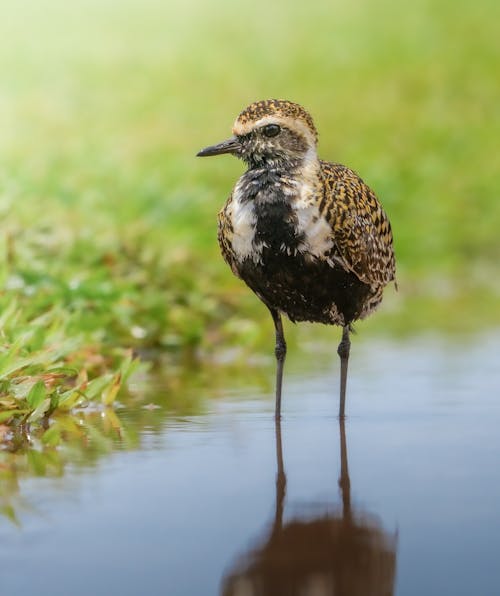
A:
[232,145]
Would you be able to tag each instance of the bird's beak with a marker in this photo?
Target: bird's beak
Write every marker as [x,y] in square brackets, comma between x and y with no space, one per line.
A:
[232,145]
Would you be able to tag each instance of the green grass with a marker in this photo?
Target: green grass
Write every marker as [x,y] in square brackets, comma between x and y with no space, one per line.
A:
[108,220]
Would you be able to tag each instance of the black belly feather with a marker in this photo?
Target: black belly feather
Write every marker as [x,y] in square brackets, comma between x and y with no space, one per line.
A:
[304,290]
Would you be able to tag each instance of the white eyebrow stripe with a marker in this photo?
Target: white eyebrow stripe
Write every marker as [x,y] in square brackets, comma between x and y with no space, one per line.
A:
[243,128]
[295,124]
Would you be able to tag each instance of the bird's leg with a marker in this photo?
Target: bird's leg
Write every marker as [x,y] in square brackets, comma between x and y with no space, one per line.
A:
[343,352]
[280,352]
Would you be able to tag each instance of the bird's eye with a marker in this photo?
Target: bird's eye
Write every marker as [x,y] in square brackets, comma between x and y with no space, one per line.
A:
[271,130]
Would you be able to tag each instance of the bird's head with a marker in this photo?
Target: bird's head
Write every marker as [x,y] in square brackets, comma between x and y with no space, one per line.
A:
[270,132]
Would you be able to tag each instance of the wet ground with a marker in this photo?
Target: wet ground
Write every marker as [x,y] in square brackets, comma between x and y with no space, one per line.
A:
[404,499]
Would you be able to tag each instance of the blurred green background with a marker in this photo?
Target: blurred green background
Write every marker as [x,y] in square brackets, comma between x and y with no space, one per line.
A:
[109,221]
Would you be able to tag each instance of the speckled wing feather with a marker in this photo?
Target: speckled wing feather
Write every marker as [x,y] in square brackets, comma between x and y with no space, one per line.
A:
[361,230]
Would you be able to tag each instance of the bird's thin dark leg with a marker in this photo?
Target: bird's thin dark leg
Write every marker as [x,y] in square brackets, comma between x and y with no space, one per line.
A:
[280,351]
[343,351]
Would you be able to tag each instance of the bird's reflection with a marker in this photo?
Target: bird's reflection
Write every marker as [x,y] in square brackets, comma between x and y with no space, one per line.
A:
[345,553]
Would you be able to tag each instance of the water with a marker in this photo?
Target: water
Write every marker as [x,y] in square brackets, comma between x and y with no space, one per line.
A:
[403,500]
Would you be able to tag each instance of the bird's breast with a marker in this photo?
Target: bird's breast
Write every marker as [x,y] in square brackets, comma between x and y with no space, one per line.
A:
[280,216]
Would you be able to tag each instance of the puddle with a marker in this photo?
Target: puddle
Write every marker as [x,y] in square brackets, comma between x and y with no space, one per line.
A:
[403,500]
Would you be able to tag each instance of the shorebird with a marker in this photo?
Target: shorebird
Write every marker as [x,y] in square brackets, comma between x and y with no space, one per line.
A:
[308,236]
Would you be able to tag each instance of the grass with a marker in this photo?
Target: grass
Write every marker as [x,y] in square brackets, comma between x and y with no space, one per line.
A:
[108,221]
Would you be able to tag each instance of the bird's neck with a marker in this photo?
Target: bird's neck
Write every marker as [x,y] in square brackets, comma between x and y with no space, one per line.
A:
[278,180]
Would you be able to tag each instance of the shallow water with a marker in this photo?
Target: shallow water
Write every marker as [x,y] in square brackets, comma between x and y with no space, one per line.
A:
[404,500]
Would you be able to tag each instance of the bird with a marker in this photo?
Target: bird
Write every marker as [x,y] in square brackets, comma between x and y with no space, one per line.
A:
[308,236]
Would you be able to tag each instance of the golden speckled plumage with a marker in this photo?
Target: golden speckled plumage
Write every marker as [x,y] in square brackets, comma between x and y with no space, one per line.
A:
[360,228]
[309,237]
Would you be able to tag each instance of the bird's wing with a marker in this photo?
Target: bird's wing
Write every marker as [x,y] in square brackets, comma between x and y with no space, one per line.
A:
[362,233]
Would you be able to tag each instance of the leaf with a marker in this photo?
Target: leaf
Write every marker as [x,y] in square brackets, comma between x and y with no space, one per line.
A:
[109,393]
[36,395]
[69,398]
[8,414]
[8,314]
[39,411]
[128,366]
[96,386]
[7,367]
[7,357]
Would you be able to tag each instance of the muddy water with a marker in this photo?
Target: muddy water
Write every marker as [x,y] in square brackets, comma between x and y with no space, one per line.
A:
[404,499]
